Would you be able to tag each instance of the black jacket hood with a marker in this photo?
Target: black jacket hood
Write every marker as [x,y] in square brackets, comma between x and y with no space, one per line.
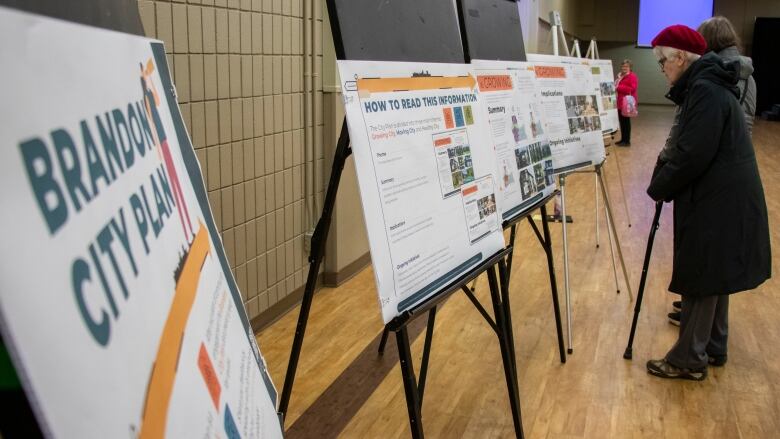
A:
[709,67]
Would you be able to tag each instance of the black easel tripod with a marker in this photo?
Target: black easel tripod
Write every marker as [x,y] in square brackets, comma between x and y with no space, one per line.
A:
[628,354]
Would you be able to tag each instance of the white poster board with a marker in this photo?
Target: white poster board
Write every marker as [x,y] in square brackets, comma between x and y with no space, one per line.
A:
[608,119]
[604,77]
[511,105]
[571,111]
[425,171]
[118,306]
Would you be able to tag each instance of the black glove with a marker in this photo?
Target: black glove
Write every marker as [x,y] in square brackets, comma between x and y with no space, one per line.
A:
[658,165]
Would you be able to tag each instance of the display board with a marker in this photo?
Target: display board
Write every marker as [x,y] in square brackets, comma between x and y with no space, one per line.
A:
[605,78]
[492,30]
[512,108]
[425,171]
[117,302]
[570,102]
[397,30]
[118,15]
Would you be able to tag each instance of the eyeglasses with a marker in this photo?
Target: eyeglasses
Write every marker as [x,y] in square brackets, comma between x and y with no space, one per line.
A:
[662,61]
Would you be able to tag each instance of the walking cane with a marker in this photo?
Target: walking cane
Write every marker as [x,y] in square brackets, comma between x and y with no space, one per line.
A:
[629,349]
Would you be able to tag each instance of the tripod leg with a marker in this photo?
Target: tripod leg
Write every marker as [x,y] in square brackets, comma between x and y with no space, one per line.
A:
[553,282]
[566,291]
[410,382]
[383,341]
[628,354]
[506,352]
[512,234]
[318,241]
[426,354]
[622,189]
[612,251]
[596,180]
[614,230]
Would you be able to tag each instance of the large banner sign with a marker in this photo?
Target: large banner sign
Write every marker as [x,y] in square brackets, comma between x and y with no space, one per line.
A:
[511,105]
[570,100]
[425,168]
[116,299]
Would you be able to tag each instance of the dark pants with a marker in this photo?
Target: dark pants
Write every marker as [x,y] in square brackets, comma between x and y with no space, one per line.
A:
[625,128]
[704,331]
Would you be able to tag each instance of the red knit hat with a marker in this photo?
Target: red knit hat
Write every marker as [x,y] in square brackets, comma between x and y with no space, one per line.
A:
[680,36]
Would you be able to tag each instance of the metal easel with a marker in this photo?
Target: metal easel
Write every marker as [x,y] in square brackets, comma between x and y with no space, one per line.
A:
[557,30]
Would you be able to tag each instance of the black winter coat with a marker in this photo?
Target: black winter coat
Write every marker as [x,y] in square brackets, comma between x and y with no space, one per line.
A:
[721,230]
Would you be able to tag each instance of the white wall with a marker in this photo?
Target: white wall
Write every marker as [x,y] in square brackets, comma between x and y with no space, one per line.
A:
[652,83]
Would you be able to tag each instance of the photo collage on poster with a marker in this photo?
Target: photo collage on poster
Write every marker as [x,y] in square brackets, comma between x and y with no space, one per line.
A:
[534,164]
[608,96]
[604,84]
[582,112]
[479,204]
[456,165]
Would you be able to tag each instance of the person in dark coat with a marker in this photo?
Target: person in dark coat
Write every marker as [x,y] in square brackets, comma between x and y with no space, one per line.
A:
[709,170]
[721,38]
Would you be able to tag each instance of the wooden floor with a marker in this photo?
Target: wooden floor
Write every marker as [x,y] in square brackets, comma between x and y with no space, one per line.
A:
[343,389]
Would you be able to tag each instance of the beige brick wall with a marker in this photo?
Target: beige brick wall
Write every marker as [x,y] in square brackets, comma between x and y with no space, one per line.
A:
[238,70]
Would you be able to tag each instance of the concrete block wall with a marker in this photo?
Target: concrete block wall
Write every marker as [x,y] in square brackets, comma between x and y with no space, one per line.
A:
[238,69]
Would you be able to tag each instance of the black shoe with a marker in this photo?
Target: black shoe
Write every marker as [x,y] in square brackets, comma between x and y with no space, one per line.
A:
[717,360]
[674,318]
[623,143]
[664,369]
[677,305]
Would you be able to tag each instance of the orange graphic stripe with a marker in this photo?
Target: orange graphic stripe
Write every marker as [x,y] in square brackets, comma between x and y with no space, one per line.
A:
[550,72]
[469,190]
[494,82]
[158,395]
[379,85]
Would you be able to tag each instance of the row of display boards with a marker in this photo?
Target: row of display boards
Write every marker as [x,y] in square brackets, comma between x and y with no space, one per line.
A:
[118,305]
[445,153]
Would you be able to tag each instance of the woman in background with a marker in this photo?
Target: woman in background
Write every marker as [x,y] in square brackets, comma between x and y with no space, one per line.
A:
[722,39]
[626,85]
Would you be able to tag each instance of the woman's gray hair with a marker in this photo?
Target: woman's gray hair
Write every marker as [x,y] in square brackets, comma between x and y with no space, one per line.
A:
[671,52]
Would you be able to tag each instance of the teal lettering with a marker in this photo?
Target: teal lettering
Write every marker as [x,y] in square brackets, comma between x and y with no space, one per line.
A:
[48,194]
[80,274]
[140,109]
[156,225]
[104,240]
[70,171]
[96,168]
[140,220]
[121,125]
[121,233]
[135,130]
[103,281]
[109,145]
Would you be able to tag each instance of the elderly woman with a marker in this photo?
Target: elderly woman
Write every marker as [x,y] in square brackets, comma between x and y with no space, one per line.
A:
[626,84]
[722,39]
[708,168]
